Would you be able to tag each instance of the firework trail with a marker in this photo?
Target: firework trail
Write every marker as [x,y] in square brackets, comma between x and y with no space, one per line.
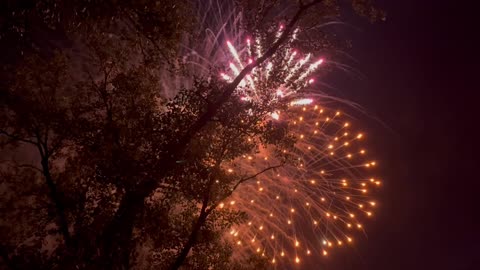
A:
[222,45]
[285,65]
[205,49]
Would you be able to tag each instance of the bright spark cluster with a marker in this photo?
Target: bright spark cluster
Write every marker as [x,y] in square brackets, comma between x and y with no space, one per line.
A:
[307,208]
[295,71]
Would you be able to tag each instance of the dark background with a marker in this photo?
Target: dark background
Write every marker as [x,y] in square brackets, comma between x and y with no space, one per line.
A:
[418,82]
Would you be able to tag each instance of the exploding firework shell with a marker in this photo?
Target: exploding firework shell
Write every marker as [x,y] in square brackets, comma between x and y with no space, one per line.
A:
[312,203]
[284,74]
[222,42]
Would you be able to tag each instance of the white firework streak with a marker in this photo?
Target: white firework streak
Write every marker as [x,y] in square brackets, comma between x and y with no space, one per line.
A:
[292,69]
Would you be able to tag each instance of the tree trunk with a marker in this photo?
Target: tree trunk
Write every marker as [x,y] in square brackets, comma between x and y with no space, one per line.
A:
[116,241]
[6,259]
[59,207]
[192,239]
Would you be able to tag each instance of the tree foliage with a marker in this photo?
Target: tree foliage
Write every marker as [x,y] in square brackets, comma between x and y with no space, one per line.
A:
[99,171]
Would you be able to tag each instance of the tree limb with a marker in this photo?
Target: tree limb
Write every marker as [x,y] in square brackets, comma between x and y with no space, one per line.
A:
[230,88]
[16,137]
[243,180]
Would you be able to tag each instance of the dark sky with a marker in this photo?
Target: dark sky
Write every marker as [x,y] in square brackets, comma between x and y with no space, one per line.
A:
[415,82]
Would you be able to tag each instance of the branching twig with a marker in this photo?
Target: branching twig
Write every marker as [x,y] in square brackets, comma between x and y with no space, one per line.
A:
[17,138]
[243,180]
[255,175]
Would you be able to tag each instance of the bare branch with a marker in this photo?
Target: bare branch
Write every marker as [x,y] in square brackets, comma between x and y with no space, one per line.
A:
[13,163]
[16,137]
[243,180]
[30,167]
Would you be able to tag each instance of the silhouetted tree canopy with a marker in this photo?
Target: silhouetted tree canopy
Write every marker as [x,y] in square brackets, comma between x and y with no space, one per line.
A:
[98,169]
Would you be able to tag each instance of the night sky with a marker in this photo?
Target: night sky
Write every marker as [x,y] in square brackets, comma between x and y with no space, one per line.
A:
[415,81]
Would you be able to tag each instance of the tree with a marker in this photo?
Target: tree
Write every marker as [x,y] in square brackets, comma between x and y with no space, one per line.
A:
[46,25]
[34,110]
[127,172]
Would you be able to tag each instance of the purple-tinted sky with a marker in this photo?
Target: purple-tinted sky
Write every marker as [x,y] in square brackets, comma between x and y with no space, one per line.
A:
[415,81]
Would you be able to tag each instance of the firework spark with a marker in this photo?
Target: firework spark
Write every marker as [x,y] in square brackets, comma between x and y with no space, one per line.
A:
[314,204]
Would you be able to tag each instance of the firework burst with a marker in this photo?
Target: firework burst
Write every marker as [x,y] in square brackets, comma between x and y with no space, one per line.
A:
[313,204]
[223,45]
[284,75]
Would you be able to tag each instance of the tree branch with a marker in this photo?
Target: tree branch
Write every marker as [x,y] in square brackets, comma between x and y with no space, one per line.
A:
[13,164]
[255,175]
[16,137]
[243,180]
[230,88]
